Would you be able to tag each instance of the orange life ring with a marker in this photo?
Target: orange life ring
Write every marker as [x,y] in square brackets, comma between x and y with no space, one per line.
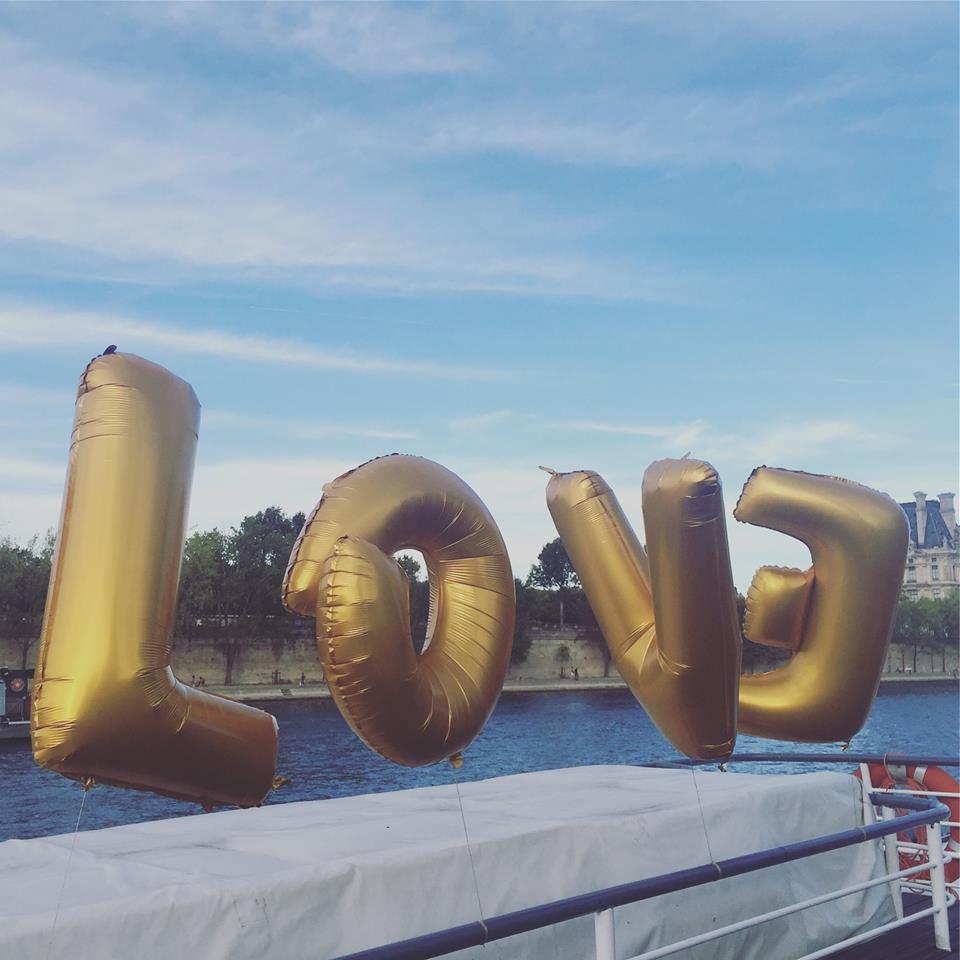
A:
[924,779]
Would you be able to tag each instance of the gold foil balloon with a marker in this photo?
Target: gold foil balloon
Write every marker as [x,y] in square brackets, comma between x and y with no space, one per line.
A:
[412,710]
[106,705]
[836,617]
[670,622]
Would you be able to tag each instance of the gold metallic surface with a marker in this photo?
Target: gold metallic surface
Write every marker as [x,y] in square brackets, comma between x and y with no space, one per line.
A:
[858,540]
[106,704]
[670,622]
[412,710]
[777,604]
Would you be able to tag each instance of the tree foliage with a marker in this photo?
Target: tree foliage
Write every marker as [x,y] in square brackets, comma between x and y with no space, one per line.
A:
[230,584]
[24,574]
[927,623]
[419,600]
[230,593]
[553,569]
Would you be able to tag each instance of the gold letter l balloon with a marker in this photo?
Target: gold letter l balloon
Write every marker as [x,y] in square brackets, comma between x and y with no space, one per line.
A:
[106,704]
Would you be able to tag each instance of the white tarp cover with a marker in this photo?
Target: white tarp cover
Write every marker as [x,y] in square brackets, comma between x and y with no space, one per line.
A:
[319,879]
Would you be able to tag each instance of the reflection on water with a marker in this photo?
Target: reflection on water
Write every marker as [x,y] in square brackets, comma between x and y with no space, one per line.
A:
[527,732]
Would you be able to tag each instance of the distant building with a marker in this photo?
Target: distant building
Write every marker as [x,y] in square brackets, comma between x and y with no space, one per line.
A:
[933,554]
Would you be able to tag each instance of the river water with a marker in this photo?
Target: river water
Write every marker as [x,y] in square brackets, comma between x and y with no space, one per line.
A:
[527,731]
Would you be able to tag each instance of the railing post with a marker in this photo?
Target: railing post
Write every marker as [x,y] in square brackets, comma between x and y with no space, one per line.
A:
[890,852]
[941,928]
[605,935]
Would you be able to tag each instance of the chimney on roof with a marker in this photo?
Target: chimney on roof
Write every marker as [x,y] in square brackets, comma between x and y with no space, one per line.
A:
[948,513]
[921,499]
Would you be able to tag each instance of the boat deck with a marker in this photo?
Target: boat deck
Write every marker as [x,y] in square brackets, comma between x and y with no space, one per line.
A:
[908,943]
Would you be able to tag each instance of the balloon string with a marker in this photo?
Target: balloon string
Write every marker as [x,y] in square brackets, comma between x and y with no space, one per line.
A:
[706,835]
[66,869]
[473,866]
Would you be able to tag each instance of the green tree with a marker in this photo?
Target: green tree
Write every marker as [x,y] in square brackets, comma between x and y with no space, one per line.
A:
[410,566]
[258,551]
[554,571]
[946,627]
[230,585]
[927,623]
[24,576]
[205,575]
[419,601]
[521,626]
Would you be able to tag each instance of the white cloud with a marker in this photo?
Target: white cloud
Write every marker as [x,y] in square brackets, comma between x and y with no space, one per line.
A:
[480,421]
[144,173]
[226,491]
[673,435]
[29,326]
[19,395]
[145,169]
[787,443]
[301,429]
[17,468]
[365,38]
[24,516]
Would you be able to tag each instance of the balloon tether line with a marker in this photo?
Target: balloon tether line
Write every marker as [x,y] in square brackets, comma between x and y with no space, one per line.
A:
[473,866]
[706,835]
[87,784]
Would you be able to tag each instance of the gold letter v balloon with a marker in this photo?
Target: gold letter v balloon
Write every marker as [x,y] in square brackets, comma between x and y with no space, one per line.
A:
[412,710]
[670,621]
[106,704]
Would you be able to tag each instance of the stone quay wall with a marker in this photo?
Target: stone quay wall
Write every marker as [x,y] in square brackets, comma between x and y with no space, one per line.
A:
[257,663]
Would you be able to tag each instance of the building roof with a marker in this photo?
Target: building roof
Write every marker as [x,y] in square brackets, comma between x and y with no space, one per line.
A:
[936,533]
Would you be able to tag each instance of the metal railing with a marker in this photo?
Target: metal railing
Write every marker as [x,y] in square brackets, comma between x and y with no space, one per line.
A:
[897,847]
[925,812]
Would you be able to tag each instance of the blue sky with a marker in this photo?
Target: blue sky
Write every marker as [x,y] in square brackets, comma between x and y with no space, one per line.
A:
[496,235]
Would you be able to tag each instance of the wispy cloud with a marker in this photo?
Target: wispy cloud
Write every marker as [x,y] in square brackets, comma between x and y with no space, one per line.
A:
[28,326]
[788,442]
[308,193]
[14,468]
[479,422]
[20,395]
[676,435]
[370,38]
[301,429]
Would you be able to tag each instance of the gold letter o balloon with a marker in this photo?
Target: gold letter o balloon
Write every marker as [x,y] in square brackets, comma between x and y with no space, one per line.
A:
[412,710]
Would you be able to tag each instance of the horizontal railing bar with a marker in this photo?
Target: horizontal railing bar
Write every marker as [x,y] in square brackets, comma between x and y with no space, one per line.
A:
[907,803]
[545,915]
[870,934]
[670,948]
[948,856]
[845,758]
[918,793]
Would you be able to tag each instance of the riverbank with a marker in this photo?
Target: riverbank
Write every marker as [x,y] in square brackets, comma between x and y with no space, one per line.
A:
[266,693]
[256,692]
